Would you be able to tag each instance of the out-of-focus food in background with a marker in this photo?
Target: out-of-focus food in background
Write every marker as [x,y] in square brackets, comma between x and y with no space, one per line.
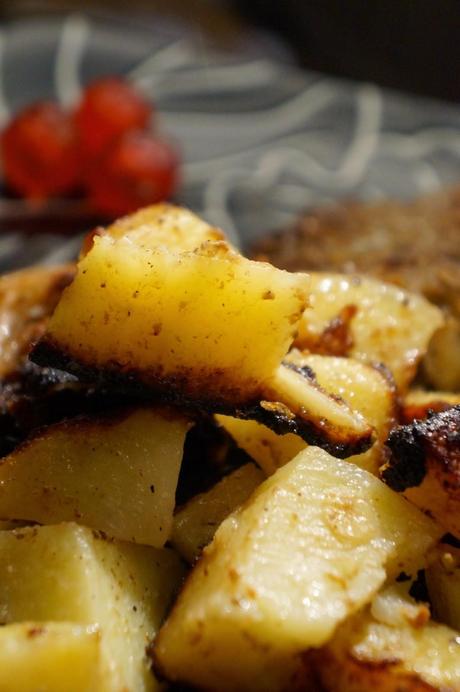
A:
[104,150]
[413,245]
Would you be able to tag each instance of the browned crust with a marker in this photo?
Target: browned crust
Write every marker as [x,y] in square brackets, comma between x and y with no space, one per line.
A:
[345,672]
[105,417]
[425,446]
[411,412]
[188,394]
[336,339]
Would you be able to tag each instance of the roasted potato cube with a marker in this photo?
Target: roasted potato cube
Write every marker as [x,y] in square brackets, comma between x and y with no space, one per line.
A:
[52,657]
[269,450]
[368,320]
[117,474]
[424,464]
[297,403]
[68,573]
[365,390]
[443,582]
[311,546]
[392,646]
[142,315]
[203,325]
[441,365]
[196,522]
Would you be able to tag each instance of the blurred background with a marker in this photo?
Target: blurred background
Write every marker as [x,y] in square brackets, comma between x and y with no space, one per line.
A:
[275,107]
[405,44]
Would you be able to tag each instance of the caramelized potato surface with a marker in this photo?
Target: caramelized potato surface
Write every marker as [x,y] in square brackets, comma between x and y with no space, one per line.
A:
[205,325]
[368,320]
[363,388]
[311,546]
[392,647]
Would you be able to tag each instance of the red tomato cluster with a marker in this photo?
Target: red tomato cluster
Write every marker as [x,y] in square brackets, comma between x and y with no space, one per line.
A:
[103,147]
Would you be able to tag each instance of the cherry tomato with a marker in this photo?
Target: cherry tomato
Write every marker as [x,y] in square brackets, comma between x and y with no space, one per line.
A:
[137,170]
[39,152]
[109,107]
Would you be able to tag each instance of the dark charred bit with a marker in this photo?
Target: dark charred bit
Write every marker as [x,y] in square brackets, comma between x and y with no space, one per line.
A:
[419,589]
[415,445]
[336,339]
[451,540]
[279,419]
[175,391]
[185,388]
[304,370]
[210,453]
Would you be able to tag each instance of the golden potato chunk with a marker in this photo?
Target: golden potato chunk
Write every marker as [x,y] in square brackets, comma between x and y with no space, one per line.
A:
[443,582]
[441,365]
[368,320]
[196,522]
[392,646]
[203,324]
[269,450]
[311,546]
[425,465]
[117,474]
[52,657]
[67,573]
[364,389]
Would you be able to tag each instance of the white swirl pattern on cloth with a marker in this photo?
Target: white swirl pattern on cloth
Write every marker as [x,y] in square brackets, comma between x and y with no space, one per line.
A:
[261,139]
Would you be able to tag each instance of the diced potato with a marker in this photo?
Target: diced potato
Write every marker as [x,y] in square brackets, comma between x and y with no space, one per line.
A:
[392,647]
[51,657]
[417,403]
[116,474]
[310,547]
[363,388]
[67,573]
[317,416]
[424,465]
[145,315]
[368,320]
[441,365]
[196,522]
[443,582]
[269,450]
[204,325]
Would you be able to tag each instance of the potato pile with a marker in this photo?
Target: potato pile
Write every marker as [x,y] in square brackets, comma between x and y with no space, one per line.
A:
[226,479]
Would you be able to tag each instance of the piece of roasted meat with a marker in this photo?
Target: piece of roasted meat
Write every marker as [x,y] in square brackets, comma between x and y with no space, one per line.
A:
[393,241]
